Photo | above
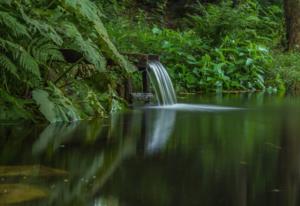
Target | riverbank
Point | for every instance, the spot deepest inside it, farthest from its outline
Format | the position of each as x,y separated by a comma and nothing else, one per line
214,47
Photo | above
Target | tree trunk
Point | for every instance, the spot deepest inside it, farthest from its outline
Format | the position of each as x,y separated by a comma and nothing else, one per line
292,18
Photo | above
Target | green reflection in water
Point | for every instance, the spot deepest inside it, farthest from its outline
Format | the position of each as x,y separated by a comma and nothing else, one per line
161,157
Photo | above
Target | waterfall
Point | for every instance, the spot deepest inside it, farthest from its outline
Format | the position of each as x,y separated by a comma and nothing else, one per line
162,84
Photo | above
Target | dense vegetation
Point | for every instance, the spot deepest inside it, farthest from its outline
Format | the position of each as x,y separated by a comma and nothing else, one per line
218,47
206,46
35,72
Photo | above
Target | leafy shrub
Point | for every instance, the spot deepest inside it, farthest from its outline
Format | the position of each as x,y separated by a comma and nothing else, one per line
286,71
54,105
32,34
249,21
199,61
12,108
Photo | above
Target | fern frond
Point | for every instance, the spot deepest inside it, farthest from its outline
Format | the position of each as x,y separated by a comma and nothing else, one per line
3,44
85,8
14,26
7,64
25,60
8,45
86,46
20,55
44,51
42,27
28,63
6,3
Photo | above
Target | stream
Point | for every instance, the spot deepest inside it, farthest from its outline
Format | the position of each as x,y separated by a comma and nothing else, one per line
227,150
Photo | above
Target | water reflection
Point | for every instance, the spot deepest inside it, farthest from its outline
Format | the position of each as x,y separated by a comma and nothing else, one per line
156,157
159,130
55,135
82,150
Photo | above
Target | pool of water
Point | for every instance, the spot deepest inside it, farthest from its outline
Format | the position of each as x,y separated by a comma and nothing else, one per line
227,150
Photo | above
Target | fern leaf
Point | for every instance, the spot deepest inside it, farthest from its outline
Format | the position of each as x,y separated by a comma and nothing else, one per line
88,10
42,27
26,61
3,44
15,27
43,50
86,46
7,64
85,8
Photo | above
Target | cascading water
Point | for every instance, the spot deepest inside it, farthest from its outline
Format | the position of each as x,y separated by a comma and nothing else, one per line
165,94
162,84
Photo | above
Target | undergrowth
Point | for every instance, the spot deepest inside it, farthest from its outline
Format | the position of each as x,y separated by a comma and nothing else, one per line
34,68
214,48
208,47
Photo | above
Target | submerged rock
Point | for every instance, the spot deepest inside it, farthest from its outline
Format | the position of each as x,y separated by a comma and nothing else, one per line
17,193
30,170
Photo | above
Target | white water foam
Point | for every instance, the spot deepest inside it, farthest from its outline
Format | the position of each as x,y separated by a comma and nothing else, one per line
193,107
165,94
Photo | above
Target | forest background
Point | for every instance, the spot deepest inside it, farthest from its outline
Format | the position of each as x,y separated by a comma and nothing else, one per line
63,60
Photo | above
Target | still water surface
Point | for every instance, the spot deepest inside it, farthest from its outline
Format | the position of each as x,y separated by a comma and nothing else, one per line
160,157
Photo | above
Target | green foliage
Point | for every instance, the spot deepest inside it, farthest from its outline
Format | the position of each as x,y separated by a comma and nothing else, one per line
32,36
17,61
232,65
249,21
44,51
54,105
12,109
87,47
213,48
13,25
287,70
88,13
219,48
8,65
88,99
